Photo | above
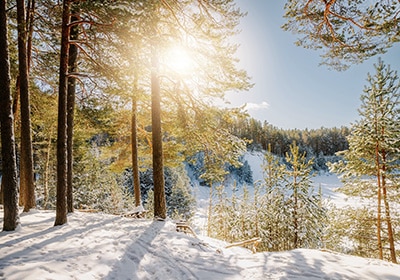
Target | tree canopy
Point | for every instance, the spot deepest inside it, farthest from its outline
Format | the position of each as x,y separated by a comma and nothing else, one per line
346,32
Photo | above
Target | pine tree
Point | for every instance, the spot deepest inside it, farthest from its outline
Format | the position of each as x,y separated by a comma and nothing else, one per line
61,213
27,184
9,167
303,204
71,95
351,231
347,31
373,149
273,214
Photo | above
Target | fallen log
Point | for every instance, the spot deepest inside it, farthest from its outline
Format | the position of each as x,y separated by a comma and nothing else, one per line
254,242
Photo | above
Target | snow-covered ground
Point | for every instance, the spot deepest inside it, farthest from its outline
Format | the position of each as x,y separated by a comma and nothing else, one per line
98,246
326,181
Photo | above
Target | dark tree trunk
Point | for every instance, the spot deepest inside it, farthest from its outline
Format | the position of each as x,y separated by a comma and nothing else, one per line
72,68
134,146
26,161
61,204
29,27
158,166
1,191
9,179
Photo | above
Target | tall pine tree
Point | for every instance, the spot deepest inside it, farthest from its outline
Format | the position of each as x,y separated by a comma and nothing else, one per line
374,150
9,167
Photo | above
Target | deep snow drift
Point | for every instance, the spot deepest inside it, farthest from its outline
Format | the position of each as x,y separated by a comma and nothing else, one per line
98,246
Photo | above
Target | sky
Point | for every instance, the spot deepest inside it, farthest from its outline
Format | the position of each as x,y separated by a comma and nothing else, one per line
291,89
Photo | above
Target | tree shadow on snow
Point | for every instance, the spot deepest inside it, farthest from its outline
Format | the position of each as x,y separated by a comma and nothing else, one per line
162,253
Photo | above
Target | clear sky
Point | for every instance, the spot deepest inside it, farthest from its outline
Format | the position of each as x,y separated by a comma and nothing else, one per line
291,89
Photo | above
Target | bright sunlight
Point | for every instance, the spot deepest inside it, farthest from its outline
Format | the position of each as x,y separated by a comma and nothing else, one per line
178,60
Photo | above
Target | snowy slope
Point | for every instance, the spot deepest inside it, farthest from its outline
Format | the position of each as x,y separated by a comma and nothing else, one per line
326,181
97,246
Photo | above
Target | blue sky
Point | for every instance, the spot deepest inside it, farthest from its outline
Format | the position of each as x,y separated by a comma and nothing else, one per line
291,89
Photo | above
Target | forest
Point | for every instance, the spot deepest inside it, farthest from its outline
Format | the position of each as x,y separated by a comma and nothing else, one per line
111,106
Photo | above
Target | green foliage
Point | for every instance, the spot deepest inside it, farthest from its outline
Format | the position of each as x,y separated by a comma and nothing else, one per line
321,144
115,43
352,231
180,203
370,166
347,32
283,211
208,134
378,127
304,206
96,187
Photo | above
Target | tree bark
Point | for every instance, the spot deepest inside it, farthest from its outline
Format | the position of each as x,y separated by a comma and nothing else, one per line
134,146
72,65
1,191
387,212
158,165
61,204
9,178
27,184
29,27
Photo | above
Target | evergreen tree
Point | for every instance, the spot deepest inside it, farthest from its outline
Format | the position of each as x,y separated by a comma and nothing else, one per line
351,231
304,206
273,213
180,203
71,95
61,213
27,185
348,31
373,149
9,167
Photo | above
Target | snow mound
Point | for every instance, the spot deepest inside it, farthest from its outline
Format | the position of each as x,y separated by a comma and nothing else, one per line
98,246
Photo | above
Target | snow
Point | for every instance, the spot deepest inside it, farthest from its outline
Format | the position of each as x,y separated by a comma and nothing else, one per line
328,182
99,246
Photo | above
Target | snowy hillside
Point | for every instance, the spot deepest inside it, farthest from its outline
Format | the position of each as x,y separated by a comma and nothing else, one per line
328,182
97,246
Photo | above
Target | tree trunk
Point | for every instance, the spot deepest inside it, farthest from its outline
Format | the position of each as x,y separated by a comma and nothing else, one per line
61,204
46,176
26,161
134,146
1,191
158,166
210,204
72,65
379,210
295,211
29,27
387,213
9,178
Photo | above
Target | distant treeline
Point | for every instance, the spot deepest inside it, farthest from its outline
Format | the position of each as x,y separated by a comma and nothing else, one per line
315,142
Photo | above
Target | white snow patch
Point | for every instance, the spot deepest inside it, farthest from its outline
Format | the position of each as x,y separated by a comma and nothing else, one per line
99,246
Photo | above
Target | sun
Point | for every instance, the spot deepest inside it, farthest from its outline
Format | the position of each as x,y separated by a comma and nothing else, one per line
178,60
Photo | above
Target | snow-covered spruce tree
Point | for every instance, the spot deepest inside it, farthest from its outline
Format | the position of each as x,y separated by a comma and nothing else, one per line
303,205
234,225
97,187
272,214
220,217
234,218
373,153
179,199
350,231
180,202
